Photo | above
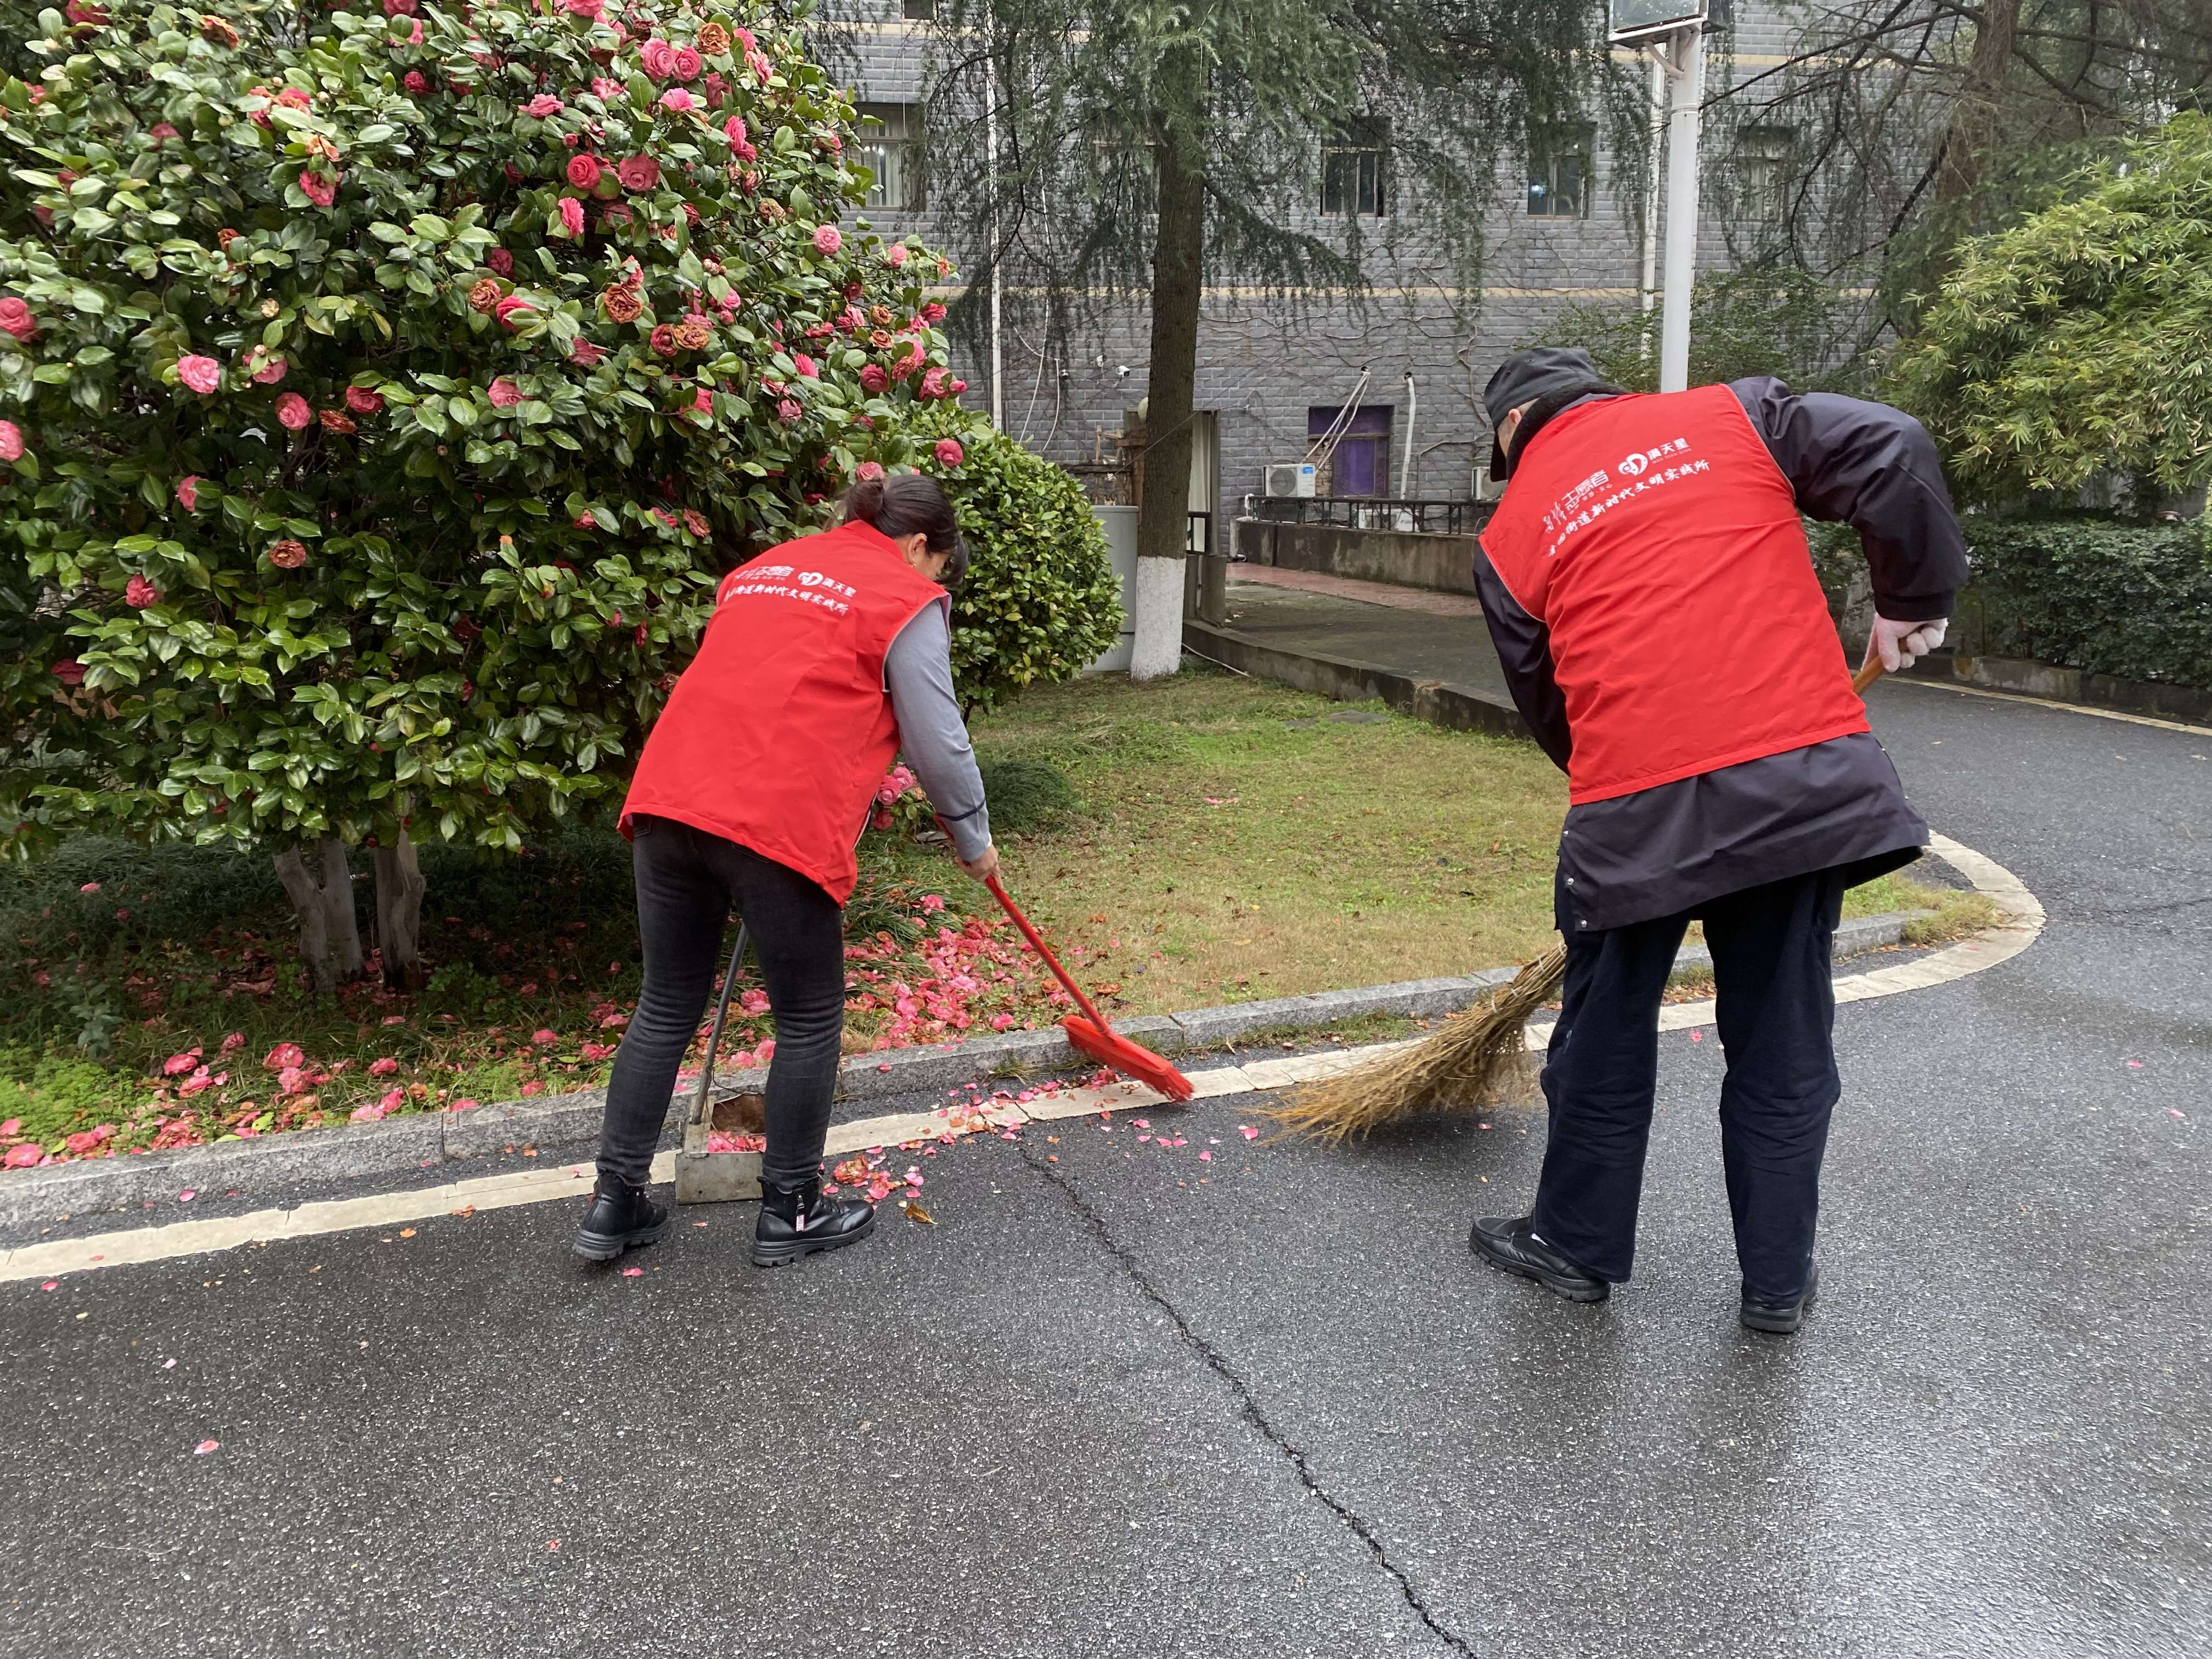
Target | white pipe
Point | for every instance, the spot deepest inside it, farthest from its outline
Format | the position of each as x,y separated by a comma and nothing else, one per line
1648,290
998,253
1687,91
1406,467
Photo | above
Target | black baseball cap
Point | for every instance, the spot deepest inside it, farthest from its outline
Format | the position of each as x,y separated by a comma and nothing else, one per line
1528,375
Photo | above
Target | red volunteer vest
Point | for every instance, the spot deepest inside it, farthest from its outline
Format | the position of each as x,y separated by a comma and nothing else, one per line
1657,541
778,732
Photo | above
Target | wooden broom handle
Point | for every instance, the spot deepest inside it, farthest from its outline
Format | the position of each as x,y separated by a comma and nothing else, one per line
1869,671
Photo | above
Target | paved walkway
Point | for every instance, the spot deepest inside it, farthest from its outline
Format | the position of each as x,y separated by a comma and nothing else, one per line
1120,1400
1413,630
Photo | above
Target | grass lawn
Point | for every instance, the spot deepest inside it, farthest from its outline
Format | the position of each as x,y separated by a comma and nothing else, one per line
1217,840
1240,840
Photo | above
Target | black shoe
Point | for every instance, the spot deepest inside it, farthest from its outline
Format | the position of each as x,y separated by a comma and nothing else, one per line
1779,1318
622,1218
1509,1242
796,1221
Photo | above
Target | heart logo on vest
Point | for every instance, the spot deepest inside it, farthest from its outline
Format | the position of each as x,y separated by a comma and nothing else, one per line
1633,464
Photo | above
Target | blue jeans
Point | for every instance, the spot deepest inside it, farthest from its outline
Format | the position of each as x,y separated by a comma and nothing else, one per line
1777,1015
687,882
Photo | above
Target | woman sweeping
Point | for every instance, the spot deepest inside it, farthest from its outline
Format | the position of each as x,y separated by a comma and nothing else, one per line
825,658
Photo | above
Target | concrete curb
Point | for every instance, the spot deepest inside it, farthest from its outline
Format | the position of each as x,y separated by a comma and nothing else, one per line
2021,677
1440,702
571,1121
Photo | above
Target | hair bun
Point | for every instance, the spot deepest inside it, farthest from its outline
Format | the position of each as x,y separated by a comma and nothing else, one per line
864,501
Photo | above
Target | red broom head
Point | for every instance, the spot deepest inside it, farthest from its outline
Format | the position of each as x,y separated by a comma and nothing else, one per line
1126,1058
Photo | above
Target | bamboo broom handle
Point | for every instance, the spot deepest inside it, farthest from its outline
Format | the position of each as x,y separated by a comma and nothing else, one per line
1869,671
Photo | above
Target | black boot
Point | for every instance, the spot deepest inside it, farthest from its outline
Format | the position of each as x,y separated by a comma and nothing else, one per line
1779,1318
1511,1242
796,1221
622,1218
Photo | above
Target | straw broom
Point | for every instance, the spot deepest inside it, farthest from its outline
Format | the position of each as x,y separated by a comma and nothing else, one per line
1462,1065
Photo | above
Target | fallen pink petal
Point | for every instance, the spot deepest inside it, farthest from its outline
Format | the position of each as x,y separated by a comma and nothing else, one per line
205,1447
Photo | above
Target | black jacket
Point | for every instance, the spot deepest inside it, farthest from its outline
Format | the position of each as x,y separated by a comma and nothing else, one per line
1665,851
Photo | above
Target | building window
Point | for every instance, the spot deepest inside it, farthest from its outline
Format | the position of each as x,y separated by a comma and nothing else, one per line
1558,173
918,11
1762,171
892,151
1352,171
1352,448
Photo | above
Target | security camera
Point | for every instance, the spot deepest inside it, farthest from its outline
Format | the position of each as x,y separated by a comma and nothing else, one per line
1098,361
1122,370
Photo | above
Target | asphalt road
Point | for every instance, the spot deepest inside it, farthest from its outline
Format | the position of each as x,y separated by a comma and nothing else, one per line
1120,1400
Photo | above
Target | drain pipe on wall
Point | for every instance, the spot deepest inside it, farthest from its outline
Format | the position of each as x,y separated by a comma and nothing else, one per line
1406,467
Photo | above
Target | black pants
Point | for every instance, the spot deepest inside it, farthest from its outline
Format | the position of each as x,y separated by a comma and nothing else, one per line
687,881
1770,948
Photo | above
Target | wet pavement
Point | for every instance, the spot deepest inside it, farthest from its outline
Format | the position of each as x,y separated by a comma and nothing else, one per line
1119,1399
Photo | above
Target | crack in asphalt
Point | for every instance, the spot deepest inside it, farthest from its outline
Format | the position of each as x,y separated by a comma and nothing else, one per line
1250,1407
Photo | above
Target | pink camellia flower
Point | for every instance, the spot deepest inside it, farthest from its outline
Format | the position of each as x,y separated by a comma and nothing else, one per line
717,89
271,372
545,1038
138,593
572,215
321,190
949,452
500,261
932,383
504,393
398,8
657,58
678,101
762,70
827,239
11,442
590,8
198,1080
543,107
416,82
188,493
383,1067
23,1156
293,411
894,255
363,401
178,1065
704,403
414,38
957,386
16,317
292,1079
160,132
604,89
734,130
290,554
514,311
639,173
873,380
789,410
283,1054
868,471
202,375
804,365
933,312
69,672
233,1041
686,64
585,355
584,171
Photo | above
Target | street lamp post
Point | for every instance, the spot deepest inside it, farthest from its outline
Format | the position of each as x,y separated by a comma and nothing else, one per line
1672,32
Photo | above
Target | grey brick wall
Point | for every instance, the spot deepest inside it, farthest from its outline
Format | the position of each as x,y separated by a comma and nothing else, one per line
1262,366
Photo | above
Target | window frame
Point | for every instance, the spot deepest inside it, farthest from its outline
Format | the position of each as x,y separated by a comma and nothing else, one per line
1762,204
894,153
1363,143
1548,146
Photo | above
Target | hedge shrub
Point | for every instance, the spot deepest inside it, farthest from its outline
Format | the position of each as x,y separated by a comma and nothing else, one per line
2107,596
1041,599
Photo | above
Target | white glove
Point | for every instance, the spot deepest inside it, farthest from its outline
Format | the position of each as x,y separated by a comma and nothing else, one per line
1900,644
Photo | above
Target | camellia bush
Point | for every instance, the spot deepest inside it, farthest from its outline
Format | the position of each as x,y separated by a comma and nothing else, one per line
2073,346
381,394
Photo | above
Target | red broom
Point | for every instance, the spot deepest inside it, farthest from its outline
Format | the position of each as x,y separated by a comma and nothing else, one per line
1093,1036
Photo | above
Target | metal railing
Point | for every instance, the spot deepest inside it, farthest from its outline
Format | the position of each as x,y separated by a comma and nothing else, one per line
1430,518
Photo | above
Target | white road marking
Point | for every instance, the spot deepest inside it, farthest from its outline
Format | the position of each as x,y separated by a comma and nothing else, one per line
2023,920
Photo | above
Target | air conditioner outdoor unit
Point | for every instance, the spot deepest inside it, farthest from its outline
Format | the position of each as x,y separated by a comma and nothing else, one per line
1487,488
1291,479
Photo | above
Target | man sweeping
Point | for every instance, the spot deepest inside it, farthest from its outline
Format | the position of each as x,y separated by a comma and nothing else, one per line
1648,586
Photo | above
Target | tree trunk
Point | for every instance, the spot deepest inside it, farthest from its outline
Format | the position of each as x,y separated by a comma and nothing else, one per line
1972,127
329,938
400,888
1163,524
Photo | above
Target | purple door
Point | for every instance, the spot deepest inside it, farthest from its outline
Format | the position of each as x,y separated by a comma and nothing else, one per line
1361,464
